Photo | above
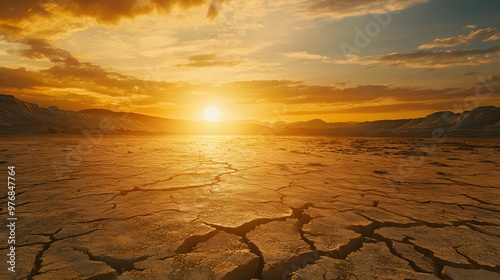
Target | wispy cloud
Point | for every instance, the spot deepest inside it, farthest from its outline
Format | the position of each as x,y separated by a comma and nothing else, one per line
208,60
214,8
306,55
301,98
484,35
428,57
296,92
439,59
19,79
338,9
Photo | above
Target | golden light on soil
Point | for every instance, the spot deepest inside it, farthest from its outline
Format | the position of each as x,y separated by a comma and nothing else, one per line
211,114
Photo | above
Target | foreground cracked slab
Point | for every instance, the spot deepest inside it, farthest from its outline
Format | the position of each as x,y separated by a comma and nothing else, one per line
373,261
458,245
280,250
186,207
465,274
334,232
61,261
223,256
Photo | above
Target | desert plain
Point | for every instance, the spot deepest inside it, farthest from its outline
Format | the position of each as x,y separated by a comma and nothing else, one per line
249,207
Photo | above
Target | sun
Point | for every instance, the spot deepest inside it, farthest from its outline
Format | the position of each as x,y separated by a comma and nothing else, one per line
212,114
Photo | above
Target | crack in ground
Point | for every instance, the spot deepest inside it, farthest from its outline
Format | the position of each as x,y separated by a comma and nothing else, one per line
87,196
385,195
393,251
50,182
37,265
300,261
128,218
217,179
368,232
256,251
191,242
302,218
170,178
430,224
137,189
479,200
473,222
474,263
345,250
119,265
242,231
55,239
290,184
469,184
472,227
440,263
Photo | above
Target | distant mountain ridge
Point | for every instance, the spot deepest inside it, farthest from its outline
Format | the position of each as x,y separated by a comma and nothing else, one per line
20,117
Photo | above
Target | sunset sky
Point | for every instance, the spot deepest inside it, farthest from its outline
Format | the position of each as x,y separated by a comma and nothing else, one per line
282,60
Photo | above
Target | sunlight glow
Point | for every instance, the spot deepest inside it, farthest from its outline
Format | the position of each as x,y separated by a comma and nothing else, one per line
211,114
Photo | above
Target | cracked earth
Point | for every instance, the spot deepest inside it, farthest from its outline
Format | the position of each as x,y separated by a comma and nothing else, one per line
253,208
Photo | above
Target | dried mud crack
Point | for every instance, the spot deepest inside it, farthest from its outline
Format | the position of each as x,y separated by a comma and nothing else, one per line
234,208
38,258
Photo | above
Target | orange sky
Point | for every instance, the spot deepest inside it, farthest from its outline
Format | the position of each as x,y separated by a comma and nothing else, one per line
266,60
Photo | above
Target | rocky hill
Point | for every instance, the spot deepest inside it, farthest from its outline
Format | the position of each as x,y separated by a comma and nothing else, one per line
20,117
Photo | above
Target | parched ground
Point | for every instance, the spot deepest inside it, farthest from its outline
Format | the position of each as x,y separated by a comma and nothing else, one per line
144,207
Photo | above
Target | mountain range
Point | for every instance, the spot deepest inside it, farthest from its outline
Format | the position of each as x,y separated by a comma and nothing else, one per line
21,117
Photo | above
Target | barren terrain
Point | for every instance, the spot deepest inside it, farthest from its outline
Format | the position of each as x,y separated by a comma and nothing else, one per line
222,207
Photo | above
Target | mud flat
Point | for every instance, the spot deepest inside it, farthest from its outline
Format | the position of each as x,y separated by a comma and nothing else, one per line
124,207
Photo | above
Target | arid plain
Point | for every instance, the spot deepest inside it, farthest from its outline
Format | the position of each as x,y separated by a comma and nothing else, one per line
224,207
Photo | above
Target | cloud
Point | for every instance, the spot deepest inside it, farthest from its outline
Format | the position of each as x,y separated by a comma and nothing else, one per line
378,109
296,92
66,65
101,89
208,60
471,74
427,59
338,9
41,49
67,71
69,75
439,59
311,100
485,34
12,10
306,55
203,57
107,83
493,38
214,8
19,79
109,12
